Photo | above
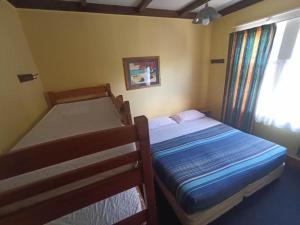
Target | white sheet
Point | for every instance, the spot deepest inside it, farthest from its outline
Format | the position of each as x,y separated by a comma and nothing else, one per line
106,212
175,130
67,120
70,119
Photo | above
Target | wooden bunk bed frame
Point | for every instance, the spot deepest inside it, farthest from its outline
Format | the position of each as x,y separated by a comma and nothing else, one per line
88,93
58,151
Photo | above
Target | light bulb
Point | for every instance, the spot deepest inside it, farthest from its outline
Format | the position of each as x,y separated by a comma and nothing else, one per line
205,21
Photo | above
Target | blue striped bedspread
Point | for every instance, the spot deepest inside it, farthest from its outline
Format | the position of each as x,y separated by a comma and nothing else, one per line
204,168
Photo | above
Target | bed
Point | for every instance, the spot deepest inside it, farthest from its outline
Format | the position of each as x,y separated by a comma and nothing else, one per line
83,159
204,167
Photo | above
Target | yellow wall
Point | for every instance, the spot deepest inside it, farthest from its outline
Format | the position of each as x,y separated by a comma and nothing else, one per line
80,49
20,104
217,72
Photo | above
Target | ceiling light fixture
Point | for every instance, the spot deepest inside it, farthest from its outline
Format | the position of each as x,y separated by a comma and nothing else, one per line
206,15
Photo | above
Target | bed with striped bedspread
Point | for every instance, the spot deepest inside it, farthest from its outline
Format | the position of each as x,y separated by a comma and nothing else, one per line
204,168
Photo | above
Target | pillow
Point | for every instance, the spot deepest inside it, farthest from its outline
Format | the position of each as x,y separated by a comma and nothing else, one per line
160,122
187,116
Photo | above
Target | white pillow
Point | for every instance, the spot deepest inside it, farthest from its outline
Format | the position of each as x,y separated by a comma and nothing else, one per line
187,116
160,122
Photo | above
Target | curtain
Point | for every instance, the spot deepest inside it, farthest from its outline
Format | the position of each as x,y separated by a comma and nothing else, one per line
248,55
279,98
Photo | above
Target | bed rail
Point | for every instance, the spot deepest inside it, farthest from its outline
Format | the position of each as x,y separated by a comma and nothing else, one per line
61,203
79,94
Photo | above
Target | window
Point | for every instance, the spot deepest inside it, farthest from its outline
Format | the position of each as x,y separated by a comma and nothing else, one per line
279,98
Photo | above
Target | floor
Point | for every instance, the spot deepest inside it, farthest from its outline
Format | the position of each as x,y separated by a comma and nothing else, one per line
276,204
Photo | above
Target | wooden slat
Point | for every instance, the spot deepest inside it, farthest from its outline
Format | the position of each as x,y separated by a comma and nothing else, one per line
136,219
50,153
96,8
48,210
123,109
143,5
238,6
99,91
53,182
193,5
76,94
141,124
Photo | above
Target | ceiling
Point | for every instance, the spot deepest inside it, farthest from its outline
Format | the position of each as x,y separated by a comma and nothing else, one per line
185,9
163,4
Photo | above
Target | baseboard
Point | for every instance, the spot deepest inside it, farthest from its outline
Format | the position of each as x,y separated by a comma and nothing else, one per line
293,162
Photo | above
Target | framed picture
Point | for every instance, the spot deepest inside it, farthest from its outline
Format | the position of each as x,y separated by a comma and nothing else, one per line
141,72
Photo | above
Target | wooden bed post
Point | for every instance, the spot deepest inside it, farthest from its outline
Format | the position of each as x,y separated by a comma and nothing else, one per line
119,98
108,90
141,124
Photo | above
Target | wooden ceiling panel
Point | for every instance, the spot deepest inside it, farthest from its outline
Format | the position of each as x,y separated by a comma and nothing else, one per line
131,3
217,4
169,4
193,5
238,6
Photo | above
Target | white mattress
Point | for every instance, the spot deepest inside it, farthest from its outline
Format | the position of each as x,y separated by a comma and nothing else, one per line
67,120
70,119
175,130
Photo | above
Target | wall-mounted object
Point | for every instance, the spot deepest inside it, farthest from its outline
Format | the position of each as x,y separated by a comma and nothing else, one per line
141,72
27,77
217,61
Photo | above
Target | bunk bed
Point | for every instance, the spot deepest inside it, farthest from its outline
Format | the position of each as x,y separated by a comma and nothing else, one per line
56,171
204,167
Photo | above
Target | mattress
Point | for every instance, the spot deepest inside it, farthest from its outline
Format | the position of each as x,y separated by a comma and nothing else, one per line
204,217
205,167
70,119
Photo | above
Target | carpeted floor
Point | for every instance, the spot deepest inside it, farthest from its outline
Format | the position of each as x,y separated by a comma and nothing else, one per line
276,204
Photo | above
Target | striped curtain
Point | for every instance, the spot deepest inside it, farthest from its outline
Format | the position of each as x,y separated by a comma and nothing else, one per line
248,55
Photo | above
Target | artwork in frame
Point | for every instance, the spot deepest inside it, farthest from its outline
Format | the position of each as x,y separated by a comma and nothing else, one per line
141,72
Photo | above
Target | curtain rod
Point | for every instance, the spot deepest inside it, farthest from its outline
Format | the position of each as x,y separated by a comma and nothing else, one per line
288,15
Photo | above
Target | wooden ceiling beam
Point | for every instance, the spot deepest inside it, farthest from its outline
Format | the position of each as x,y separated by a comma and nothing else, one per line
96,8
193,5
238,6
83,3
143,5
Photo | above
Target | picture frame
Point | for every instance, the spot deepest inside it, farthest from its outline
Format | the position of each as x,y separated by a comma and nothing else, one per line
141,72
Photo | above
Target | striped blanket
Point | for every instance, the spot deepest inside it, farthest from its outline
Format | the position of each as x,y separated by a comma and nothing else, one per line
204,168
